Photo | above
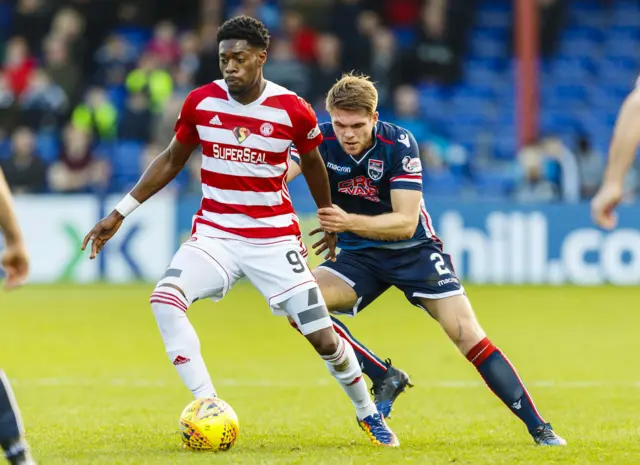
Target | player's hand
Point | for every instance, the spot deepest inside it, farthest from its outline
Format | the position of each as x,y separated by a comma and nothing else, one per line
328,242
334,219
604,204
102,232
15,262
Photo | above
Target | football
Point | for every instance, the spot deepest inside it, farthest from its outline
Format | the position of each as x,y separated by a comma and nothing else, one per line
209,424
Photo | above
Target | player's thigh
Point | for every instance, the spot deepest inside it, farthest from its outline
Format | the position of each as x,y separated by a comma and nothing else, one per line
457,319
280,272
349,284
336,292
201,268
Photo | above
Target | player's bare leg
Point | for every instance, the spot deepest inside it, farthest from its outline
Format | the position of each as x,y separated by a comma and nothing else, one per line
388,382
309,312
458,320
11,429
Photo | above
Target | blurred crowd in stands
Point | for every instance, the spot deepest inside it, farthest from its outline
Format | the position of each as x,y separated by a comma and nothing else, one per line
90,89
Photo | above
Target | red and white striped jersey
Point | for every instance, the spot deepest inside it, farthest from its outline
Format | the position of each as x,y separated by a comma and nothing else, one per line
245,158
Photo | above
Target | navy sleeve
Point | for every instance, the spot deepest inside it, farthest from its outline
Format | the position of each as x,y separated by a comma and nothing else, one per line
407,168
294,155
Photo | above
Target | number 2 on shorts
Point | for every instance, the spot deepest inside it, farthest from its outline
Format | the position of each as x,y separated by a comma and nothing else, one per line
440,266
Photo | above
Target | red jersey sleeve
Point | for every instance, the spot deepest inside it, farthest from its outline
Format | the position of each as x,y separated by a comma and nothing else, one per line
307,133
185,127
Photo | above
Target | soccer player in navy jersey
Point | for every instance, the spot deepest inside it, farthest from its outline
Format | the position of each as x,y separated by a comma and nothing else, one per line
387,239
15,263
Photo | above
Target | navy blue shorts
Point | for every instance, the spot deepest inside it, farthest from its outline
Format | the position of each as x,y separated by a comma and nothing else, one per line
421,271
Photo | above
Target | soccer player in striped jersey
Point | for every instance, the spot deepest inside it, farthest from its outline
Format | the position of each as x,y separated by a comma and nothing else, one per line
623,149
15,263
246,225
387,239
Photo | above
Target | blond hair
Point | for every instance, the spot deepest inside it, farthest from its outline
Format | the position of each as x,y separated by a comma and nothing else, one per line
353,92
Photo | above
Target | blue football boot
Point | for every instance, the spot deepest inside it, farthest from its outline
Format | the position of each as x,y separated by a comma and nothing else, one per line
377,431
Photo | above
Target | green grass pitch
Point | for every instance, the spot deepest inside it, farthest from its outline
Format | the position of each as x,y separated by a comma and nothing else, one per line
95,385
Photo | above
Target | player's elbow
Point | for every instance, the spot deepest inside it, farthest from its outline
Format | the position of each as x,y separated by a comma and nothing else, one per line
408,229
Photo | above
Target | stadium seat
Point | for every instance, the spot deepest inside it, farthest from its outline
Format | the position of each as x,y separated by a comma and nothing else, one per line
47,146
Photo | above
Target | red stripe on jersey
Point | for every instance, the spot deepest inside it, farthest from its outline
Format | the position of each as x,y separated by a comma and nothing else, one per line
406,176
254,211
241,183
330,138
255,233
386,141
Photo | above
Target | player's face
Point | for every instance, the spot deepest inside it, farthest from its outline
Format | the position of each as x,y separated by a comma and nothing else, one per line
354,129
240,64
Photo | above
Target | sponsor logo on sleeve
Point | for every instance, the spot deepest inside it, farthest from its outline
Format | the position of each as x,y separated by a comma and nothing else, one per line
411,165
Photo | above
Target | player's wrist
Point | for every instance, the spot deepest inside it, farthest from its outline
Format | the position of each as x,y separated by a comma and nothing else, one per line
126,206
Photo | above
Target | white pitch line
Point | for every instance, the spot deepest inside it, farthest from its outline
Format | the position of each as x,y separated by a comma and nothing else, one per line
266,383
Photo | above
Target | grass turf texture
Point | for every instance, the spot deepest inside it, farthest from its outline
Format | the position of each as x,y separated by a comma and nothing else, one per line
95,385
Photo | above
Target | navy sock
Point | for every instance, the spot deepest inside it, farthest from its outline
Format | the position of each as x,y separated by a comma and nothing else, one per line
372,365
10,430
502,379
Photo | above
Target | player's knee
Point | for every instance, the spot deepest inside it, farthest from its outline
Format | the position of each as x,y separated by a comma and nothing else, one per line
324,341
168,296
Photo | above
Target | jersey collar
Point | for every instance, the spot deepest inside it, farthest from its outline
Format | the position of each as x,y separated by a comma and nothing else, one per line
375,142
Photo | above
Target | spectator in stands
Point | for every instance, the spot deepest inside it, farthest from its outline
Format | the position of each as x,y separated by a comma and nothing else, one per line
64,71
385,65
532,185
355,44
31,18
407,112
433,57
164,45
68,25
285,69
209,69
77,169
135,123
148,77
25,172
591,166
302,37
18,64
113,60
569,176
189,55
96,115
398,13
43,103
327,69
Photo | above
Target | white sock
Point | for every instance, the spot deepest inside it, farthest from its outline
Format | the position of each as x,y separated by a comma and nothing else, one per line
344,367
181,341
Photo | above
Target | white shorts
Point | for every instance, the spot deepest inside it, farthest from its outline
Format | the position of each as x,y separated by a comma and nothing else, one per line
277,268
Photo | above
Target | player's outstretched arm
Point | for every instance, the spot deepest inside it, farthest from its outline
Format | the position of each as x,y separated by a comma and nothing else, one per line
624,143
14,260
160,172
398,225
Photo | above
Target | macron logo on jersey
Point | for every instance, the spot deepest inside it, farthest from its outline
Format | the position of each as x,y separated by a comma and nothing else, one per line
339,169
404,139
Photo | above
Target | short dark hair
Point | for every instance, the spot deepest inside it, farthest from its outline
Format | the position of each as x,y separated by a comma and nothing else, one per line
245,28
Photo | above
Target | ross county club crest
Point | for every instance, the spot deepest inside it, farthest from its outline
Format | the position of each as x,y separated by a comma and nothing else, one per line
376,169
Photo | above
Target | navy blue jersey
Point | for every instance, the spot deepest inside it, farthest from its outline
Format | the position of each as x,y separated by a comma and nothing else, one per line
362,185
